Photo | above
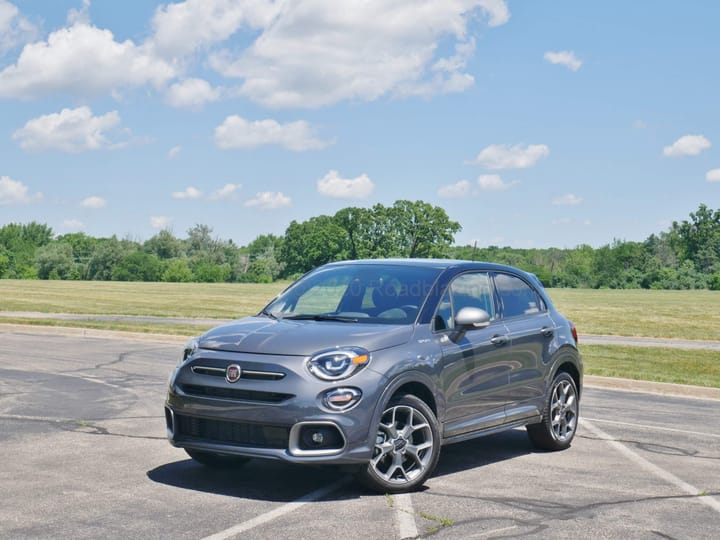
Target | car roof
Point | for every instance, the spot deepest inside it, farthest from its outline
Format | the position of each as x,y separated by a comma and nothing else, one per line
443,264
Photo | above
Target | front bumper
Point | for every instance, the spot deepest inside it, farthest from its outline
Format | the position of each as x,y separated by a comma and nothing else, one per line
278,416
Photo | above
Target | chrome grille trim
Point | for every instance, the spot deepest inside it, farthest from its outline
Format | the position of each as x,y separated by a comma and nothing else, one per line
246,373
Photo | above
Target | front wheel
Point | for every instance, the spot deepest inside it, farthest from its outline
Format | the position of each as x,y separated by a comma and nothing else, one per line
217,461
560,417
407,447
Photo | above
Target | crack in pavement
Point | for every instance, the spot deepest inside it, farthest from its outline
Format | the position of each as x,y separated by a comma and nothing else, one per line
558,511
654,448
87,427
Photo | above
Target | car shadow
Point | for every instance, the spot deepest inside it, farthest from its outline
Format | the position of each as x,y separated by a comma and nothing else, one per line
483,451
276,481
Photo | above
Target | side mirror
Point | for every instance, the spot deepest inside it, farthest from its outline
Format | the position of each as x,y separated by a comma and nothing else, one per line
472,317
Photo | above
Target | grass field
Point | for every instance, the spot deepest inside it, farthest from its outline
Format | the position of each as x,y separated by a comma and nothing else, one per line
673,314
202,300
699,368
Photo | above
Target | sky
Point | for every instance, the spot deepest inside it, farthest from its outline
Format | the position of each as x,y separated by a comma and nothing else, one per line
533,123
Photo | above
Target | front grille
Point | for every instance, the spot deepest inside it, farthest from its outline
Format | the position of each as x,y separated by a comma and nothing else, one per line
245,374
235,433
234,393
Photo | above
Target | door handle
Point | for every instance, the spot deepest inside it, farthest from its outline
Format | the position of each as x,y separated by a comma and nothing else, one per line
499,340
547,331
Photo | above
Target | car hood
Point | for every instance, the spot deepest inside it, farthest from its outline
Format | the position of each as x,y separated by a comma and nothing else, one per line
260,335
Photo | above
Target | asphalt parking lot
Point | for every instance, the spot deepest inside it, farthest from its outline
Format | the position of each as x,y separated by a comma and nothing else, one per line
84,455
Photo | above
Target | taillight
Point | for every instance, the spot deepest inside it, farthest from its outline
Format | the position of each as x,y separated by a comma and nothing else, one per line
574,333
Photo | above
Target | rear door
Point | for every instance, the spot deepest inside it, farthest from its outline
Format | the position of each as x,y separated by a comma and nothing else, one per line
531,331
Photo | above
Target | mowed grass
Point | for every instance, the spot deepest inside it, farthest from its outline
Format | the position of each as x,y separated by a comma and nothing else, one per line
195,300
699,368
671,314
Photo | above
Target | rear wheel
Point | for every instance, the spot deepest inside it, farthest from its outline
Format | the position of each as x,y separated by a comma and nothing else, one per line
407,447
217,461
560,417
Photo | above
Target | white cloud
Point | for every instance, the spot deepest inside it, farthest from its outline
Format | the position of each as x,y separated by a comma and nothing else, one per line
319,52
14,28
268,200
236,132
73,224
331,185
687,145
82,60
503,156
191,93
458,190
160,222
182,27
93,202
189,193
567,200
561,221
15,192
227,192
174,152
564,58
70,130
493,182
81,15
713,175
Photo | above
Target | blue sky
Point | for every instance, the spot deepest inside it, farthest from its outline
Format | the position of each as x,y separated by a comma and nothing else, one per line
533,123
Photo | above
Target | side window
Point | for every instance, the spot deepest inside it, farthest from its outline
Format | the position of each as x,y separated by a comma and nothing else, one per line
466,290
517,297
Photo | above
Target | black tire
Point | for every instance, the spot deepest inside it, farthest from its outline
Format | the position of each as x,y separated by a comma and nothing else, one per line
407,447
560,416
217,461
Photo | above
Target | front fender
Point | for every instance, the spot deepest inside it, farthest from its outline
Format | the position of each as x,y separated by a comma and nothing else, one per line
416,377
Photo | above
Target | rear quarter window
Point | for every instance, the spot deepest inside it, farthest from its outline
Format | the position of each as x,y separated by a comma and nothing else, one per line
517,297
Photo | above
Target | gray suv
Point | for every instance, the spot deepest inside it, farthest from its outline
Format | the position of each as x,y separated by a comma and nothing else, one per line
377,364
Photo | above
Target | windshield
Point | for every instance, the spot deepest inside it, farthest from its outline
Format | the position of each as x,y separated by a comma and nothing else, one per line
366,293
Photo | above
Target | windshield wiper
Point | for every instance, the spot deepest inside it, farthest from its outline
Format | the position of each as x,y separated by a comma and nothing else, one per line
269,314
320,317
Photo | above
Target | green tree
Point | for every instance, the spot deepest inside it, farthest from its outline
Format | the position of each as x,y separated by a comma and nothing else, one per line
207,272
19,243
177,271
55,260
106,256
418,229
164,245
137,266
311,243
698,239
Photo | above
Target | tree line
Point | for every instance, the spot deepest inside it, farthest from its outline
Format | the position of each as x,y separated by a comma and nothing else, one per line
686,256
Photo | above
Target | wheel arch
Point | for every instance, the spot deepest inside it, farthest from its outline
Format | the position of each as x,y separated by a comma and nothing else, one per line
569,367
416,383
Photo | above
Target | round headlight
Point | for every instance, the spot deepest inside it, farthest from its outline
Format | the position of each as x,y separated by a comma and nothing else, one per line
337,364
190,348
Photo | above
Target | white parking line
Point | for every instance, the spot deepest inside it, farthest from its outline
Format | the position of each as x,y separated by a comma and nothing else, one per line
277,512
658,428
405,516
652,468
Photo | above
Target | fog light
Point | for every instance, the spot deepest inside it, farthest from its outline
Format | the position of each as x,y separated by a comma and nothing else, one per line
317,437
341,399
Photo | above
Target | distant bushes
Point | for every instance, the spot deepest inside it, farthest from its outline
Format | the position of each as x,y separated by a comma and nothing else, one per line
687,256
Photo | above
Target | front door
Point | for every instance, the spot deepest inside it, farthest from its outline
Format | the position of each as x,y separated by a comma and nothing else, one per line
476,362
